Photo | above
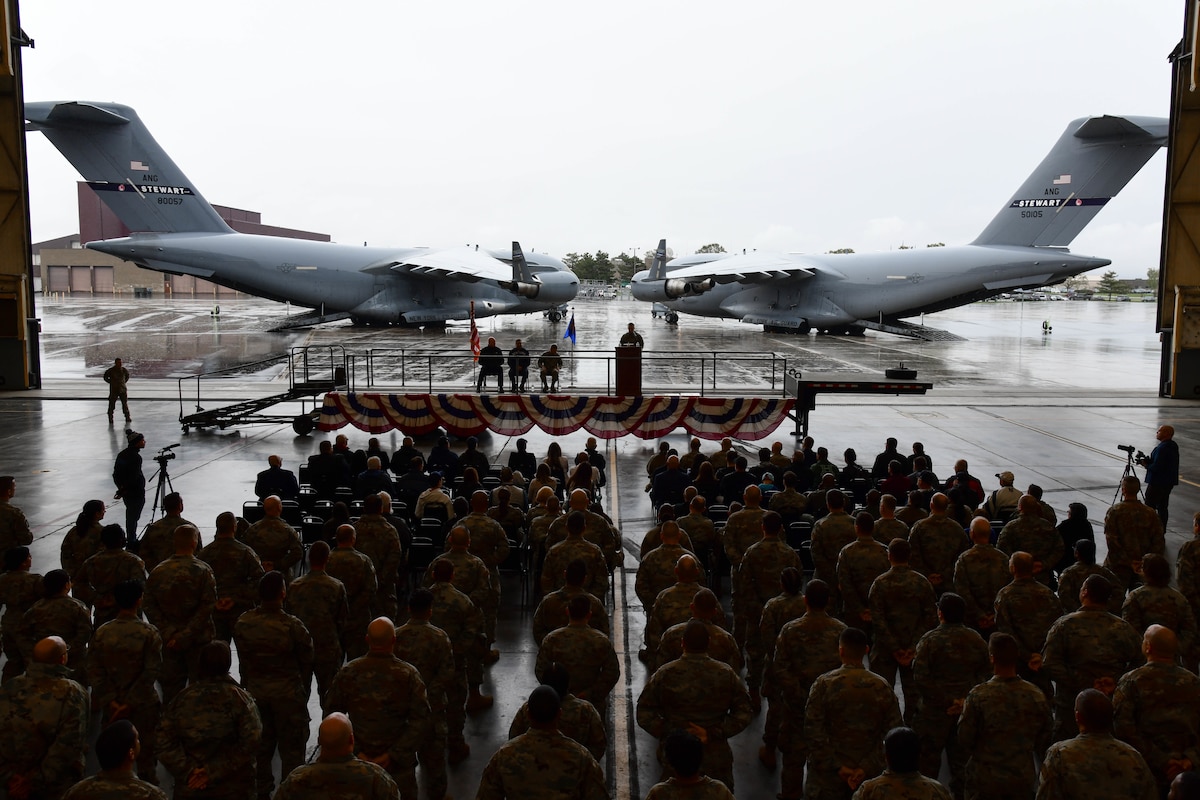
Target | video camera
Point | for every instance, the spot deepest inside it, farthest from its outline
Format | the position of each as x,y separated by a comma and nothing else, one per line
165,454
1128,448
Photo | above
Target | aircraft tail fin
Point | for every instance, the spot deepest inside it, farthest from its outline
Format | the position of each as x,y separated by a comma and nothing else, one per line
1093,160
658,270
114,152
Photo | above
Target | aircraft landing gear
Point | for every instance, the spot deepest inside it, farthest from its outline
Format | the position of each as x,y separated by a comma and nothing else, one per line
672,318
554,316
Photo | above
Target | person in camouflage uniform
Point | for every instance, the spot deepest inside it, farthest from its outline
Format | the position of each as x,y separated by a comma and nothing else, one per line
1004,722
1094,764
471,576
701,530
902,749
1025,610
1156,709
117,747
848,712
701,695
1029,532
578,720
386,701
761,567
684,753
209,735
653,537
277,544
319,601
587,654
742,530
236,569
19,590
673,605
158,542
462,621
181,594
575,546
656,571
100,574
124,663
551,612
806,648
82,541
903,609
887,527
428,648
14,528
337,772
781,609
1087,649
1187,567
542,763
596,529
979,575
58,614
937,541
357,575
43,726
275,653
721,645
376,538
1156,603
1131,529
830,534
951,660
1070,581
858,565
789,503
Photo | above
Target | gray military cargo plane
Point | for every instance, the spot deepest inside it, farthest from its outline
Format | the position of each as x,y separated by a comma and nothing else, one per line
1024,246
176,231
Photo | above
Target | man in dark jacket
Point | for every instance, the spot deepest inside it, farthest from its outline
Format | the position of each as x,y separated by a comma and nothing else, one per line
131,483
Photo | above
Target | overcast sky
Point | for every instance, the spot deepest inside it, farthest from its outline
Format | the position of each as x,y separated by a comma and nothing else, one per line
577,127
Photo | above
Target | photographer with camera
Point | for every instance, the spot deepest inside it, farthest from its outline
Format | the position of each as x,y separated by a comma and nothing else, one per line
1162,471
131,483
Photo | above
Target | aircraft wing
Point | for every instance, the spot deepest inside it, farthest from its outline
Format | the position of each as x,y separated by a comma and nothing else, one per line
461,263
746,268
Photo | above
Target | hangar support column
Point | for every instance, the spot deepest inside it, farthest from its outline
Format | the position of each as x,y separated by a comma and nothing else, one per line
1179,273
19,352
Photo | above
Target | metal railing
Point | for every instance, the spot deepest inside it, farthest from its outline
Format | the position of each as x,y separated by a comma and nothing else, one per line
327,365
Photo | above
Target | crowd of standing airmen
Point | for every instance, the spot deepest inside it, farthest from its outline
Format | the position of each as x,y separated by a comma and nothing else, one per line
1012,646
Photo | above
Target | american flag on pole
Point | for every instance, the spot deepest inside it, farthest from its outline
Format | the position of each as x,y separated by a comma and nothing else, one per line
474,335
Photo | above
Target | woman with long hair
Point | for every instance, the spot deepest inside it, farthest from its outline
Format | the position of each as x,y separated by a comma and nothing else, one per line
83,540
557,463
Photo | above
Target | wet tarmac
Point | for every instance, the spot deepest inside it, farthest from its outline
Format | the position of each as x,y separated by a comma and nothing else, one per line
1051,408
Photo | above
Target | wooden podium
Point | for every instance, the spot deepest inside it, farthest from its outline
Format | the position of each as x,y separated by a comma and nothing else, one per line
629,372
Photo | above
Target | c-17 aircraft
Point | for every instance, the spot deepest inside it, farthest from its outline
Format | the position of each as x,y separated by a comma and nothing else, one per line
176,231
1024,246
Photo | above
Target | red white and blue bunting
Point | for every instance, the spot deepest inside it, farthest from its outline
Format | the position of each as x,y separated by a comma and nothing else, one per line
747,418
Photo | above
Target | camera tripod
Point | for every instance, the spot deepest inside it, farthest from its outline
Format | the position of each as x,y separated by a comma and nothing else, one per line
162,488
1129,472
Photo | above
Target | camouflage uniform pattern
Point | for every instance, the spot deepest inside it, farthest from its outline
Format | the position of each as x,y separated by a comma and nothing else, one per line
889,528
596,530
699,690
721,646
43,730
338,777
124,662
578,720
59,616
951,660
357,575
551,613
563,553
462,622
653,540
979,575
672,606
657,572
542,765
275,654
590,660
1131,529
114,785
779,611
700,529
1187,572
158,542
76,549
707,789
1154,605
1108,769
386,701
760,570
1032,534
1025,609
319,601
471,577
937,541
903,609
787,503
1004,722
428,648
237,570
212,725
18,592
100,574
1081,649
14,528
849,711
379,541
901,786
830,534
277,544
858,565
1071,579
1156,709
181,594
